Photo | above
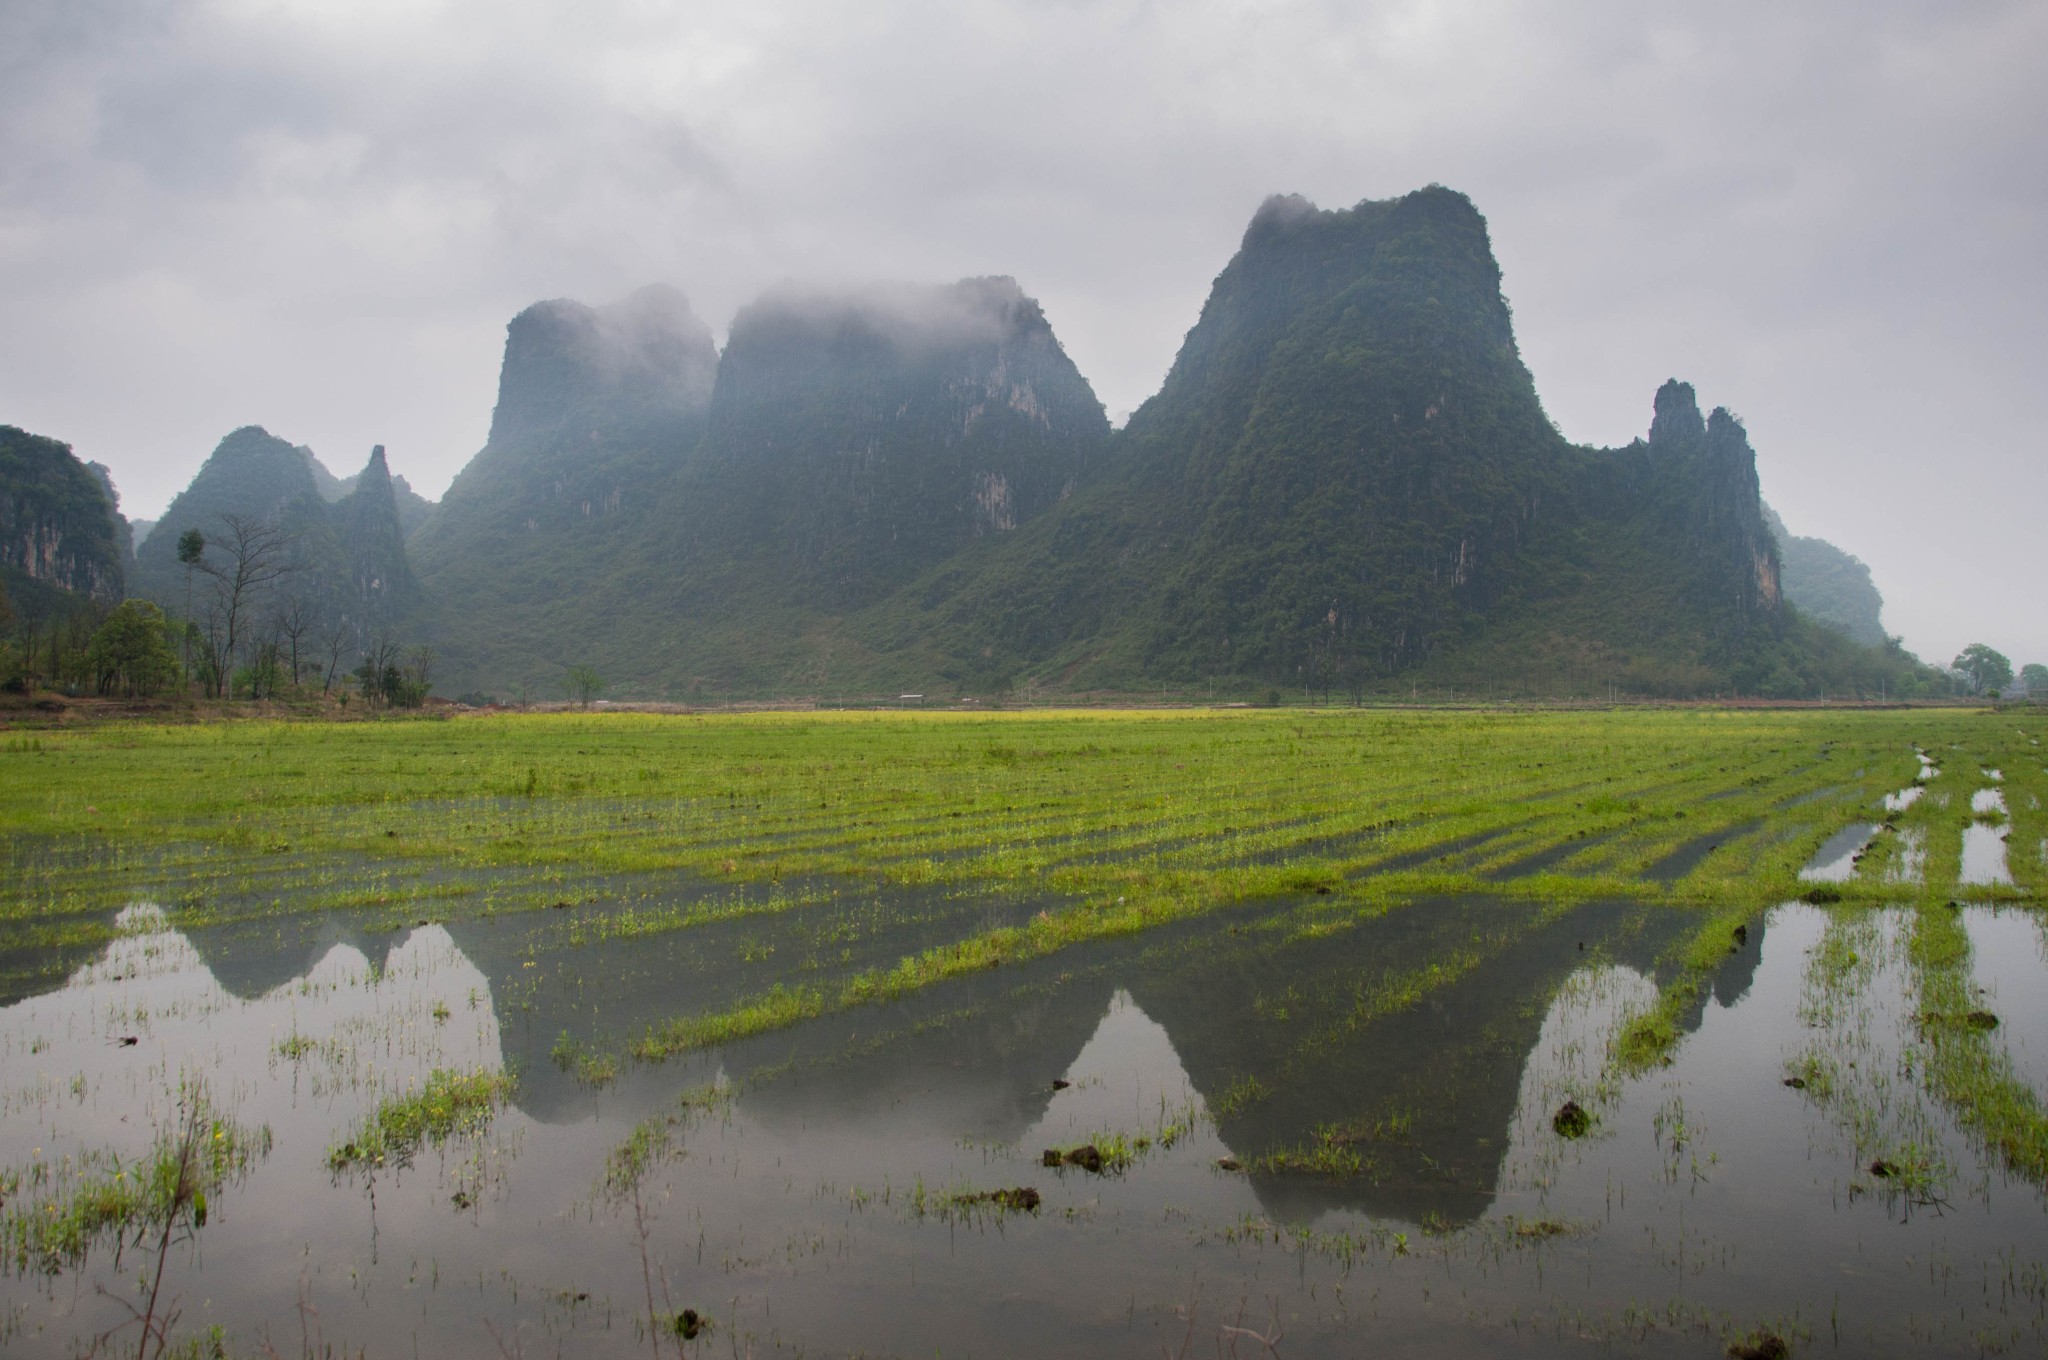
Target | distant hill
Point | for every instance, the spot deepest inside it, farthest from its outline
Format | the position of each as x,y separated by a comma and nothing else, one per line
348,557
1829,586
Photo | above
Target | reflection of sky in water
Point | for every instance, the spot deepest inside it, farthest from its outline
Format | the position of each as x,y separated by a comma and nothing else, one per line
1835,861
792,1211
1984,855
2010,947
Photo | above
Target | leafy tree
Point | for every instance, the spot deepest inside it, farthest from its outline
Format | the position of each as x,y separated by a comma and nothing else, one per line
1983,668
2034,678
129,651
583,683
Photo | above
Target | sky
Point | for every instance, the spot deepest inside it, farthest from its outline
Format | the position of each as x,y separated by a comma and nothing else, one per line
318,215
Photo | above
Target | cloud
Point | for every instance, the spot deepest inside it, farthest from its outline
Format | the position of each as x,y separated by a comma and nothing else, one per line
321,216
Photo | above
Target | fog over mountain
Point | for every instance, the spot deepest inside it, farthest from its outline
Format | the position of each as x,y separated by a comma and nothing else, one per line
317,219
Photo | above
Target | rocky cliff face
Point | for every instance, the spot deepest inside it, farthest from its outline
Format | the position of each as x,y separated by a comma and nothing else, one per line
1704,478
572,371
596,407
859,437
59,522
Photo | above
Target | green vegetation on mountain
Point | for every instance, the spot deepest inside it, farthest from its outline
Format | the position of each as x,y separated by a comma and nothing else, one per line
858,439
59,526
1347,480
549,546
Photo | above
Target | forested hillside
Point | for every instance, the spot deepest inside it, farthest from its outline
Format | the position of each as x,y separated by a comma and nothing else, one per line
553,545
59,523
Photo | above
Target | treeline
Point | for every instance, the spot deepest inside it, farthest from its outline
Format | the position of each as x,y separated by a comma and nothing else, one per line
255,622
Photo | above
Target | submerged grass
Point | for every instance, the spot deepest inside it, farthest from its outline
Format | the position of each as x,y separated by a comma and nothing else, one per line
54,1214
1964,1065
448,1105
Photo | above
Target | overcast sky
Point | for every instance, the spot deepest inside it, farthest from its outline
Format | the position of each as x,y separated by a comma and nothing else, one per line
317,215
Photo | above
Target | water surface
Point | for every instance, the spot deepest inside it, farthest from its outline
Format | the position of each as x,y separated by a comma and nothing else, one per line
1347,1127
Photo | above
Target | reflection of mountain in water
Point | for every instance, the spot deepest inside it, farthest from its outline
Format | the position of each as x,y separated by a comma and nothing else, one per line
253,959
1425,1092
1402,1037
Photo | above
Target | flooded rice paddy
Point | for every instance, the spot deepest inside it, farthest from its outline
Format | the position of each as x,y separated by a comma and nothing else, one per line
1549,1050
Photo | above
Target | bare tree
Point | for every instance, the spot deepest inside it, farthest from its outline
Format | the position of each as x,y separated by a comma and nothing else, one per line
252,559
379,672
334,640
295,619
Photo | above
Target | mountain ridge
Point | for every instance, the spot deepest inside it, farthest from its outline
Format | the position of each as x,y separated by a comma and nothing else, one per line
1346,480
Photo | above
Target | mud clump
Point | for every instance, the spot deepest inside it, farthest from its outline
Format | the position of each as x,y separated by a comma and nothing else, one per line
1977,1020
1883,1169
1229,1164
689,1323
1769,1346
1571,1120
1087,1156
1821,897
1796,1083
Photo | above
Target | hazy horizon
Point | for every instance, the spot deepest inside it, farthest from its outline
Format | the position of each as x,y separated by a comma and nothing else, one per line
320,218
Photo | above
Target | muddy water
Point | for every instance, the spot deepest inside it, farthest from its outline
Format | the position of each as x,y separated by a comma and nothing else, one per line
1415,1059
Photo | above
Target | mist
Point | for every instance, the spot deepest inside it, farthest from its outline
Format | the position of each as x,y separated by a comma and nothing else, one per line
321,218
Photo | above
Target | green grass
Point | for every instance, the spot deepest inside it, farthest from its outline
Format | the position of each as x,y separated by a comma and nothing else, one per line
448,1105
1112,824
